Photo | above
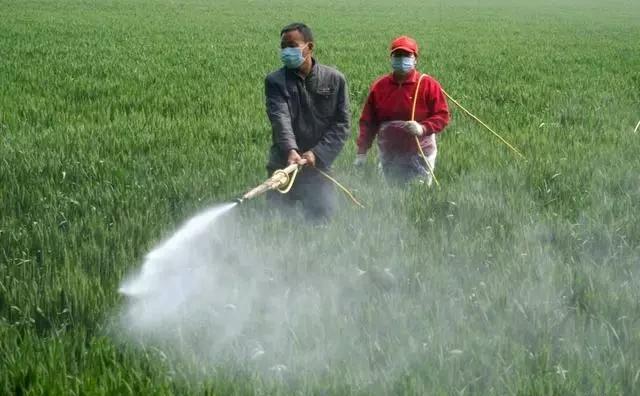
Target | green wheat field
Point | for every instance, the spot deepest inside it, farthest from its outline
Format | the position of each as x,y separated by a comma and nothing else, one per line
119,120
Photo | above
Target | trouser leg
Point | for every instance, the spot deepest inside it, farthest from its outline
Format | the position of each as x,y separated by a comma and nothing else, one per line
405,169
315,193
428,178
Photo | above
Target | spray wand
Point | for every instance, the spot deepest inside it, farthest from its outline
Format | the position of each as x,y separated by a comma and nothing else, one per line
282,181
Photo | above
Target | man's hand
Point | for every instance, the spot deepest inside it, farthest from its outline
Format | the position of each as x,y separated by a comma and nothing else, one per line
310,157
360,160
294,157
414,128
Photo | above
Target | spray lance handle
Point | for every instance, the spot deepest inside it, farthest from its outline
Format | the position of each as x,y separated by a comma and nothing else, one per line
289,169
282,179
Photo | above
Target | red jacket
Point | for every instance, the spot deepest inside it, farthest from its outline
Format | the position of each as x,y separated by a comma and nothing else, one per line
390,101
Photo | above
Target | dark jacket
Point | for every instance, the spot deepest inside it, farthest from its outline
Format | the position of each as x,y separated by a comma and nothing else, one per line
309,113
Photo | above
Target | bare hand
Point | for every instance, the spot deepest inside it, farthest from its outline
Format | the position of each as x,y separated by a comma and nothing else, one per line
294,157
310,157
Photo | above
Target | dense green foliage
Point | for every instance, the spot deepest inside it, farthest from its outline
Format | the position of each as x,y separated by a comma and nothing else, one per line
121,119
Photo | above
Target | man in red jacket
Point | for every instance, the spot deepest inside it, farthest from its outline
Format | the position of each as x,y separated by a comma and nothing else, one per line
387,115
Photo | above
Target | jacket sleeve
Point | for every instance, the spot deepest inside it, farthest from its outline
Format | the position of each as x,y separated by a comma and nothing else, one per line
368,124
331,143
436,108
279,115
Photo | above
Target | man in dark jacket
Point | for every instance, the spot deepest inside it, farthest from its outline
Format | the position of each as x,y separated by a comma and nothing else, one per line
308,106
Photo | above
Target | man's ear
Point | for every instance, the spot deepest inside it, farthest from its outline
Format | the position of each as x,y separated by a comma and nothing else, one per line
310,45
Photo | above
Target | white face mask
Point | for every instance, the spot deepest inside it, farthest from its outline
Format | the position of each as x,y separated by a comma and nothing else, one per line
403,64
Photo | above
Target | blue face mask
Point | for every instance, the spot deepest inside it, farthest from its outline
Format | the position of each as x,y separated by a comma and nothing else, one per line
292,57
403,64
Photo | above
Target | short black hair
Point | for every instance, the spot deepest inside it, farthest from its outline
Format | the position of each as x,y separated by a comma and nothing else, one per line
302,28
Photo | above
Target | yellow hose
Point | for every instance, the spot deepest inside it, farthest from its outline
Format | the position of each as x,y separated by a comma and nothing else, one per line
413,118
413,111
292,178
343,188
515,150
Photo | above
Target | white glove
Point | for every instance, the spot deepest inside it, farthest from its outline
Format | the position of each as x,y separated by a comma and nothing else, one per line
414,128
360,160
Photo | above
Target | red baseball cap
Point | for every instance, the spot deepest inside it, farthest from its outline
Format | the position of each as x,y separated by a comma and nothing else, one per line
405,43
